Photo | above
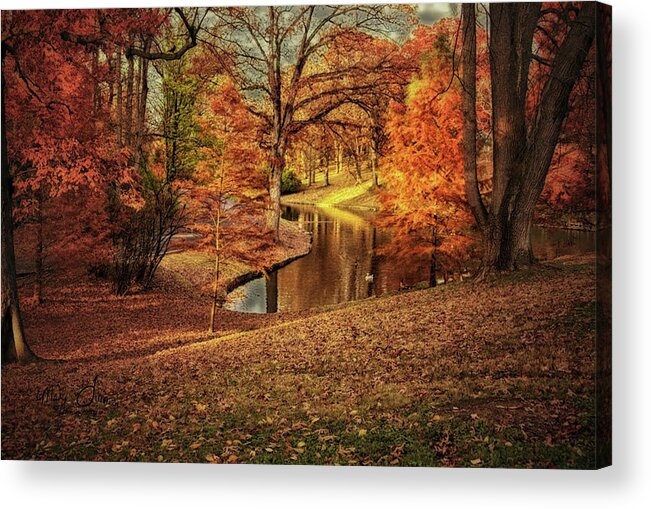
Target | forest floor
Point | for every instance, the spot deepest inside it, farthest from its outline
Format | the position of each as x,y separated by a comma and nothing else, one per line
342,191
492,374
81,319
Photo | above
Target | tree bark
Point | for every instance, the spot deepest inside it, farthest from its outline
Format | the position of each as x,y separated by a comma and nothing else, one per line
358,161
469,77
97,96
339,156
14,345
118,77
218,220
142,102
522,149
277,166
129,102
38,283
111,94
275,175
136,104
545,131
432,260
326,175
432,270
215,292
374,164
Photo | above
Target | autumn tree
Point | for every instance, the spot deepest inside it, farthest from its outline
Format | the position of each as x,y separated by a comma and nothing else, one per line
524,138
129,40
14,346
66,148
74,125
165,38
227,192
568,194
274,56
423,200
365,113
176,127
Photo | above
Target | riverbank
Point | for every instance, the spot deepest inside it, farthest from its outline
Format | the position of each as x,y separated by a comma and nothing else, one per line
342,191
497,374
81,319
195,268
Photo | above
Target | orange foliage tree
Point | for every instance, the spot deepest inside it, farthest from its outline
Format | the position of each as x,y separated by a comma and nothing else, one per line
227,193
56,143
424,197
73,125
275,56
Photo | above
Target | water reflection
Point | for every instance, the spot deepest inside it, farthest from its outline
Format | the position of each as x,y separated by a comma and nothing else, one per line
550,243
343,265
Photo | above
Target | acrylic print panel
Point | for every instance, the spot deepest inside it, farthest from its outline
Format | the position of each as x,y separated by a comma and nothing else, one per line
349,235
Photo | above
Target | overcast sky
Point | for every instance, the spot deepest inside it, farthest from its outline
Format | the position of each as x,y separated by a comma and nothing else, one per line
430,13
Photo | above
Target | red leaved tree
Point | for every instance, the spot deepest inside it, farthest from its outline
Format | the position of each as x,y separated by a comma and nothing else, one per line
227,193
424,198
56,144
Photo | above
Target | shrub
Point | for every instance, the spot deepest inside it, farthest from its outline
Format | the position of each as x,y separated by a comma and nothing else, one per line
142,242
289,182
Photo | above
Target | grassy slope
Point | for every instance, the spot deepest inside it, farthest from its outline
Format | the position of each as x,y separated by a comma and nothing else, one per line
342,192
195,268
493,375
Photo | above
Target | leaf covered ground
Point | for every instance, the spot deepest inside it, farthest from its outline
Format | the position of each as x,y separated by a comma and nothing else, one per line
496,374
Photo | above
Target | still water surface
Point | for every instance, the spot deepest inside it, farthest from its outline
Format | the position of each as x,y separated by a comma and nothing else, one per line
343,259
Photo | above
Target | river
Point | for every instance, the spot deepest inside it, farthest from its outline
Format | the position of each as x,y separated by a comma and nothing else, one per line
343,264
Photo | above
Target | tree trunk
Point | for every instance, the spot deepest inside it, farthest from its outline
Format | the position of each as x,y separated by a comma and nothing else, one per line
218,219
129,106
274,195
432,270
529,179
326,174
14,346
215,293
469,77
118,77
339,156
275,176
374,164
135,133
38,282
111,94
522,151
432,261
358,161
97,91
142,103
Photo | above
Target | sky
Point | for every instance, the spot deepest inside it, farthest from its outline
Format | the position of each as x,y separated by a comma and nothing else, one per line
430,13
